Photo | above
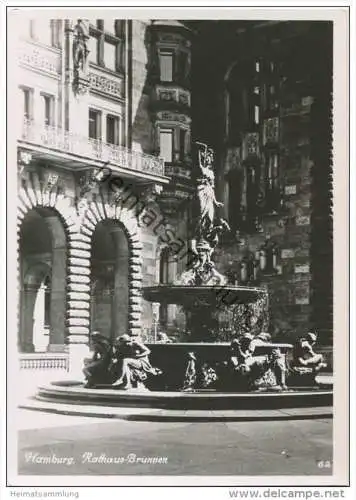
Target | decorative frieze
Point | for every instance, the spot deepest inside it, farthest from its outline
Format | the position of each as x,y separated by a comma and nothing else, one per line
173,95
302,220
271,130
251,146
290,190
302,301
34,57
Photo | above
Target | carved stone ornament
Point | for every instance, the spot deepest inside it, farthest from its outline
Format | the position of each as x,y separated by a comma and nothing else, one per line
271,130
51,180
105,85
24,158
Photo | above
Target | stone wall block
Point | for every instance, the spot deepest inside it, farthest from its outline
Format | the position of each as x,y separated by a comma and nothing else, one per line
78,287
77,261
83,271
78,304
78,321
78,296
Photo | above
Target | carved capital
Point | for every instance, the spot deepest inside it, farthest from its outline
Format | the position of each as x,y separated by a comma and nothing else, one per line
24,158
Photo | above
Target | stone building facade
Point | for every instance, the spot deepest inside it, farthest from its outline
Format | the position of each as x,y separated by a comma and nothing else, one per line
108,110
267,111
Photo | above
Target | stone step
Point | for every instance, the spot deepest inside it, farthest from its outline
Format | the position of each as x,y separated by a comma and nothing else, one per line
155,414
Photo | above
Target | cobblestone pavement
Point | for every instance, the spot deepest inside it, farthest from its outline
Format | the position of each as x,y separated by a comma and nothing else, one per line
99,446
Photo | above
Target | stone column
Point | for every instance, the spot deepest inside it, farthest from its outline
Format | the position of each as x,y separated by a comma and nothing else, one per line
28,298
172,274
78,304
58,286
135,300
121,294
76,107
58,301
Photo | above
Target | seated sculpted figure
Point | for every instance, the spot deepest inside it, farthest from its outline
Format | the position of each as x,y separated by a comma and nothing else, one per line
133,365
305,359
97,368
163,338
254,365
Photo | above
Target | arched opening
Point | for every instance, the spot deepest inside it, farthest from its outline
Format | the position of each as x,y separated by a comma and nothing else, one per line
42,282
163,280
242,101
110,279
243,138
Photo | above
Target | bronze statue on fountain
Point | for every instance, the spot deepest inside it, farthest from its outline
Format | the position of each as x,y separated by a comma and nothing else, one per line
251,362
207,226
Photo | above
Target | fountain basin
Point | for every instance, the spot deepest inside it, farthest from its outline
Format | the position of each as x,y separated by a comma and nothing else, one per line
73,393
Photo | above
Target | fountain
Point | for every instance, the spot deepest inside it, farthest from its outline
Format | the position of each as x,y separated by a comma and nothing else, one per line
204,372
201,290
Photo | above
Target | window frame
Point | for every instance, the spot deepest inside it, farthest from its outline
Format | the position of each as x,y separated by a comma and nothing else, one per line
54,28
182,143
29,92
50,99
166,52
98,124
104,37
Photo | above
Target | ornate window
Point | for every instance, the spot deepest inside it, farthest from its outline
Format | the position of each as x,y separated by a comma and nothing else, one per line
94,124
234,201
166,61
166,144
45,31
268,255
182,141
106,44
164,279
27,103
253,124
113,129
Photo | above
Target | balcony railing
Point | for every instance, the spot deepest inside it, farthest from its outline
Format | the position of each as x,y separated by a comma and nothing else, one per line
44,361
60,140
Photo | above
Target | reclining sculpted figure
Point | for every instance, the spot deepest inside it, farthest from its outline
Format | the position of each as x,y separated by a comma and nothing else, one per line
132,363
306,362
97,368
259,369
